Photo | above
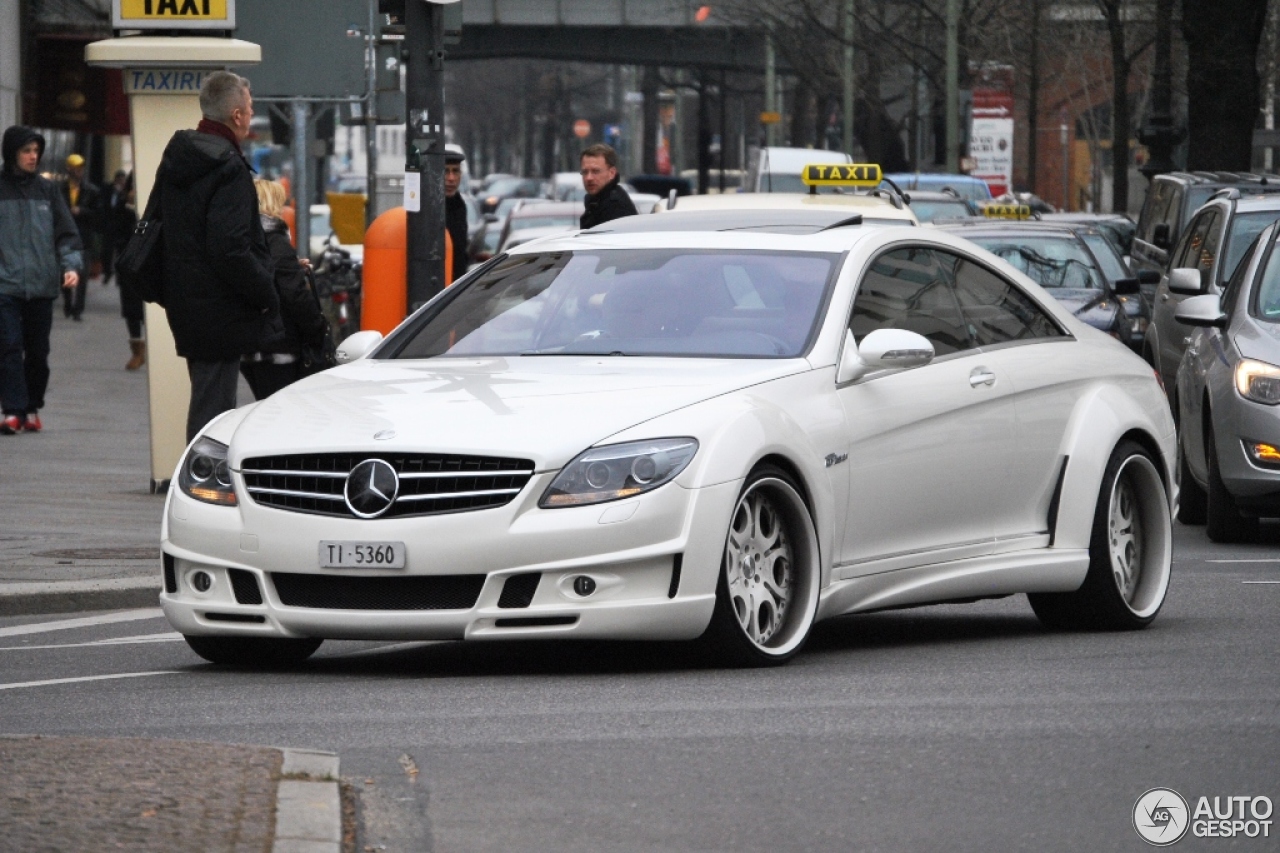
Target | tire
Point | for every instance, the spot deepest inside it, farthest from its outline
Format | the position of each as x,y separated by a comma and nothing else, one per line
767,591
1223,520
1191,497
253,652
1130,552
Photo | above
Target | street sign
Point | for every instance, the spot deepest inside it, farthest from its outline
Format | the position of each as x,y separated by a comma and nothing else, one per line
173,14
770,117
582,128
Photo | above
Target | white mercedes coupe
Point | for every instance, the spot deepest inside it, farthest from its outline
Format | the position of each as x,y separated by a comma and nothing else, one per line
713,432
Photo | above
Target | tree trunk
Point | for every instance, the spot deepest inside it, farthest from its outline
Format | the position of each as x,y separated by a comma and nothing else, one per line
1119,109
1222,83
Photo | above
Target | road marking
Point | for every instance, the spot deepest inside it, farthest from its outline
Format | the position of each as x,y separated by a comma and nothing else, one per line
53,681
115,641
1259,582
83,622
1244,561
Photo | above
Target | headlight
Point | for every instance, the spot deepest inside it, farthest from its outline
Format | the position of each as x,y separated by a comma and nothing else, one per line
1258,381
618,471
205,475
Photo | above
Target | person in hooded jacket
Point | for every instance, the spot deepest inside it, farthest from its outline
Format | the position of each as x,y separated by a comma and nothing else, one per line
278,359
218,290
40,253
606,200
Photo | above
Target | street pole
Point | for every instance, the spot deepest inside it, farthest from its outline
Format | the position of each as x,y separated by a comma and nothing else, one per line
301,184
371,118
770,89
424,136
953,86
847,127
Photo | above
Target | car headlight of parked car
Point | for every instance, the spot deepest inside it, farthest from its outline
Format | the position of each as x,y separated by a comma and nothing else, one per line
205,475
618,471
1258,381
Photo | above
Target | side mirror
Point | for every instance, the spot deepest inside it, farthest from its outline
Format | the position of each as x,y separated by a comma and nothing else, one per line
1160,235
883,349
1126,287
1148,277
1202,311
358,346
1185,281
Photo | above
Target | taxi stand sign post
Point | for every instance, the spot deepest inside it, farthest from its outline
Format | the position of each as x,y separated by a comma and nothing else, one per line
162,78
866,175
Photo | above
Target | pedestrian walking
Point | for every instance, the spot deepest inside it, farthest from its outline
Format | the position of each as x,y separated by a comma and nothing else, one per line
40,252
119,216
278,361
83,198
218,290
605,200
455,212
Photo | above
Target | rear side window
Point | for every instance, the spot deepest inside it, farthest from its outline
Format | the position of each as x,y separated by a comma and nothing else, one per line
1156,208
997,312
909,289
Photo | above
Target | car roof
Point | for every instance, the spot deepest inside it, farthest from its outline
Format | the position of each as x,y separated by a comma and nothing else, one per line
868,205
1247,203
776,221
1224,178
1028,228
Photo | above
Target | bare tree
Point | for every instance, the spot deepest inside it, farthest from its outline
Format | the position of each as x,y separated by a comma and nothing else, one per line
1222,83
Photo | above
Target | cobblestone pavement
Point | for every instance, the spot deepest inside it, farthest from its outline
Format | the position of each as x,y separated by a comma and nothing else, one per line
70,793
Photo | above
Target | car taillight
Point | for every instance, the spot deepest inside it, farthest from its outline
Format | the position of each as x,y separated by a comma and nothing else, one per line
340,296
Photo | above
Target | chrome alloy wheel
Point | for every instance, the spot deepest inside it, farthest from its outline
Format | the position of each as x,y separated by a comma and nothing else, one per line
1138,535
1125,534
759,566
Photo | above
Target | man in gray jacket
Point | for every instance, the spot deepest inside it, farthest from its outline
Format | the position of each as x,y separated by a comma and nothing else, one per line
40,252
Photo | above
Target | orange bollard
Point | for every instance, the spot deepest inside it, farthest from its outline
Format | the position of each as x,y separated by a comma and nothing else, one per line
385,296
286,213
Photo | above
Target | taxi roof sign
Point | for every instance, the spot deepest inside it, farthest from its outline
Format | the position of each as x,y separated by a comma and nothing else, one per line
841,175
173,14
1005,211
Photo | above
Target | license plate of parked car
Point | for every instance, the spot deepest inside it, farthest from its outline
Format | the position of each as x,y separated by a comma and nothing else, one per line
361,555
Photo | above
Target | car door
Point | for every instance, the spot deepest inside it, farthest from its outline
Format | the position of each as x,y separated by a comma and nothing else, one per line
928,447
1197,250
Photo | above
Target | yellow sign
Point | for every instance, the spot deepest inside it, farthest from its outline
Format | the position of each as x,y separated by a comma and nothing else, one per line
1006,211
173,14
842,175
770,118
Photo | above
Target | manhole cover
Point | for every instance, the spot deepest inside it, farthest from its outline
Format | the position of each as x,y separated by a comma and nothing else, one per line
102,553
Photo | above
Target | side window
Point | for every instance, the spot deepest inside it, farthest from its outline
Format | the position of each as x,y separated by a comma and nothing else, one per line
1231,292
908,289
996,311
1187,252
1209,251
1172,213
1153,210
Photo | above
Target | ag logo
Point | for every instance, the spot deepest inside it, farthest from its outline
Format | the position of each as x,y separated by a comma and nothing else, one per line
1161,817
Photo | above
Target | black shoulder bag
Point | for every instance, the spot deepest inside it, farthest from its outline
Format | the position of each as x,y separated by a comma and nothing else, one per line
322,356
141,262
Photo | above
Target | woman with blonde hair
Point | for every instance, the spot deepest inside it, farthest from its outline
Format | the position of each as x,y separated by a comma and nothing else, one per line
279,359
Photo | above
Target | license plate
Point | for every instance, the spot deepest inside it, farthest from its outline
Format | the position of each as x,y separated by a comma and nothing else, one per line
361,555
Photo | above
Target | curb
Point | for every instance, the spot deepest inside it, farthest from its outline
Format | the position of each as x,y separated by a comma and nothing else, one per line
308,804
24,599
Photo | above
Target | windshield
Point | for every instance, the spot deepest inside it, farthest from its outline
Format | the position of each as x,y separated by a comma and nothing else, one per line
1105,252
559,220
1244,228
928,211
663,302
1266,300
1049,261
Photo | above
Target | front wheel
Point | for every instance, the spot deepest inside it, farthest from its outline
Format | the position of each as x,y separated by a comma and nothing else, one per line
255,652
1191,497
767,592
1223,520
1130,552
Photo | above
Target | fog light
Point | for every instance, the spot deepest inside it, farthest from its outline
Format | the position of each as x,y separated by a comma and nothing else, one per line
201,581
1264,454
584,585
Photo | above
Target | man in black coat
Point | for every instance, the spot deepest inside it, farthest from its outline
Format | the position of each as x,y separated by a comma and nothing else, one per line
455,213
605,200
218,290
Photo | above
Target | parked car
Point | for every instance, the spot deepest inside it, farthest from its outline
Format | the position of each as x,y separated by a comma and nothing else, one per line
691,435
1229,399
966,186
1117,227
1091,280
948,204
544,219
511,188
777,170
1203,260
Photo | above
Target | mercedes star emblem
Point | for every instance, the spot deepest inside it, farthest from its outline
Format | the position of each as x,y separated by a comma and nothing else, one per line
371,488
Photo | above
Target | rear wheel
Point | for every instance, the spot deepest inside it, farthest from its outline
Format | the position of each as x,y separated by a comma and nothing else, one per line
259,652
1130,551
1224,521
767,592
1191,497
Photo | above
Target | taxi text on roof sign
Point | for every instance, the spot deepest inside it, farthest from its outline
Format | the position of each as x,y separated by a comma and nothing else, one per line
173,14
842,175
1006,211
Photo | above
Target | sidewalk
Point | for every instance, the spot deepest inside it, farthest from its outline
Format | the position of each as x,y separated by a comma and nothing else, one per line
79,527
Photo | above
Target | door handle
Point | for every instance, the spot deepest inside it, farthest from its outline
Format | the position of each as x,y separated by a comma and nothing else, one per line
1164,297
981,376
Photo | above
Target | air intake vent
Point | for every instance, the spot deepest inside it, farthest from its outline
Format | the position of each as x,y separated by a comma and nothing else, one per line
245,586
518,590
430,483
343,592
170,575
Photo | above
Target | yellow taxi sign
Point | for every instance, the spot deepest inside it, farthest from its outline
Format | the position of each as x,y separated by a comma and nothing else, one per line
1005,211
173,14
841,175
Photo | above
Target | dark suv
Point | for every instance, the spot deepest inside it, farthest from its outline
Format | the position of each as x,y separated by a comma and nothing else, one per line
1171,200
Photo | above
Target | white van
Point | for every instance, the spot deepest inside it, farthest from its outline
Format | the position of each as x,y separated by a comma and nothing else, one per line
777,170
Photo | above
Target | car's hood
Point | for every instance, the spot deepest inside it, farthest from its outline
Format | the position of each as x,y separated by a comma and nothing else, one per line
547,409
1094,307
1259,340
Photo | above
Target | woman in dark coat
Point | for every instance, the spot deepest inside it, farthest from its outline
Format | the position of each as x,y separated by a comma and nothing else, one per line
278,361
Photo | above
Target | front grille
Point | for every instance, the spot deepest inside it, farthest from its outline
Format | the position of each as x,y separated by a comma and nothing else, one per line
518,590
245,586
430,483
344,592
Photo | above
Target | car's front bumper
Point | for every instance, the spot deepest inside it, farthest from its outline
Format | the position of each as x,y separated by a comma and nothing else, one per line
1255,487
654,560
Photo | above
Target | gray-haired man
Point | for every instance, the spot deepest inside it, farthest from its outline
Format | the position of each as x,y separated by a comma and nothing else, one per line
218,289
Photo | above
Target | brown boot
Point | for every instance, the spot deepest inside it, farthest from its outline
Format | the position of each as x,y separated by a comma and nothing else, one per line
139,348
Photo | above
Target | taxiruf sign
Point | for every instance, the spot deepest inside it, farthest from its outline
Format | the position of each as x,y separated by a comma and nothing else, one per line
173,14
991,139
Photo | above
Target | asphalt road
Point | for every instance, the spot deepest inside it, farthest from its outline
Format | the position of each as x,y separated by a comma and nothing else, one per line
948,728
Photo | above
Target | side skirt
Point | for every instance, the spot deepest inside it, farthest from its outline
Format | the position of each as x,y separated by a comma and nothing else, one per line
1042,570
